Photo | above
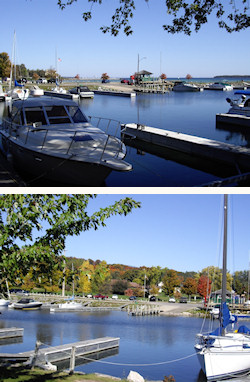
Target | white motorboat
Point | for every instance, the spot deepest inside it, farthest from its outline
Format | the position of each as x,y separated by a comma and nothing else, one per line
35,91
240,106
18,93
51,138
26,304
182,86
82,91
219,86
68,305
224,353
238,113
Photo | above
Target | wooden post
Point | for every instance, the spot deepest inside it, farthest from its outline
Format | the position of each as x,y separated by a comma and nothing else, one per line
72,360
38,344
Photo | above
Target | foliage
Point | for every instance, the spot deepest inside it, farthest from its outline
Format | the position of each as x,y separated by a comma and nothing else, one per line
33,229
100,278
171,281
240,282
189,286
185,15
215,274
204,286
163,76
5,65
129,292
120,286
105,76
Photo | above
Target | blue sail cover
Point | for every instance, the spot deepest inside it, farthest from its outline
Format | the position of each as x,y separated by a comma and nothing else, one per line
247,92
17,83
225,316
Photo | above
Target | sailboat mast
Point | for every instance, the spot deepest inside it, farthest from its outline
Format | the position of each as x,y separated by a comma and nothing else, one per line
224,267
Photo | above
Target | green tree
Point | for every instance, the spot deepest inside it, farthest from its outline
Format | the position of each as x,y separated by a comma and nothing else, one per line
240,282
33,228
101,278
5,65
120,286
185,15
215,274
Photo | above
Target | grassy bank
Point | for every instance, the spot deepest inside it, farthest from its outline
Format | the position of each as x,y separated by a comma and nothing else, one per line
21,374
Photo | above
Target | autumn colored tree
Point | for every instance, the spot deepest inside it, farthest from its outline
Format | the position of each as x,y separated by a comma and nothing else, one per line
188,76
189,286
104,76
163,76
204,286
86,272
170,281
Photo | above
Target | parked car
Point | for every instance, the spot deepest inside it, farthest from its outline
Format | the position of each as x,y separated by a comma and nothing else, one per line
183,300
89,296
105,81
100,296
172,299
115,297
52,81
152,298
41,81
132,298
126,82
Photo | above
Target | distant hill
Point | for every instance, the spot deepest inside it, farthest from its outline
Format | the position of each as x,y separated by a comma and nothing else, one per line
233,76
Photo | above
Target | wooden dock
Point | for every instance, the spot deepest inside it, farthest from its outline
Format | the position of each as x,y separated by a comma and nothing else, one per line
143,310
214,151
11,332
233,119
63,352
115,93
61,95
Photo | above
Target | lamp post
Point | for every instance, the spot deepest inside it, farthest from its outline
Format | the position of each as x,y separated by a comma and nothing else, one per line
138,63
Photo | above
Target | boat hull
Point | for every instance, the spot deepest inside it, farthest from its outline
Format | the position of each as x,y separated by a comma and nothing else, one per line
56,169
222,363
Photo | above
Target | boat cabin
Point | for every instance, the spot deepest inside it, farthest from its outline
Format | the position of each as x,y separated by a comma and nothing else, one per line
45,112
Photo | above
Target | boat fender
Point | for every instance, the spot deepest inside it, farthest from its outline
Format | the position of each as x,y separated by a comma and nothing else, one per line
228,100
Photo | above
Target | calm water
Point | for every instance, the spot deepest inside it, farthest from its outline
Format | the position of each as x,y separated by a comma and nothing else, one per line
143,340
190,113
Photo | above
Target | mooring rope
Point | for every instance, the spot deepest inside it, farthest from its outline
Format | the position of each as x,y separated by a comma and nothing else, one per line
126,364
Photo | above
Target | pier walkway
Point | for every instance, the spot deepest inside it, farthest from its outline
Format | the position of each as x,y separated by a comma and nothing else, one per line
62,352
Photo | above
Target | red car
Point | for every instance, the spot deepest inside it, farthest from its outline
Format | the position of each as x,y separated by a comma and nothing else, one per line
100,296
126,82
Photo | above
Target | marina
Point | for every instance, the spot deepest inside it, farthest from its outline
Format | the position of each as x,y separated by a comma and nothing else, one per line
143,341
178,114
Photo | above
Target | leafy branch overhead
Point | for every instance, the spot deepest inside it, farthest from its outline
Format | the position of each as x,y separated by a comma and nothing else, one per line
34,228
186,15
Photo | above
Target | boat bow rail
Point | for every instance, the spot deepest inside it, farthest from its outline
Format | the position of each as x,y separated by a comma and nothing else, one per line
88,144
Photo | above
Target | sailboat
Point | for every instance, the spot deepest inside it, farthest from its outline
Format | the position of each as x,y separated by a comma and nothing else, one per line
16,92
224,353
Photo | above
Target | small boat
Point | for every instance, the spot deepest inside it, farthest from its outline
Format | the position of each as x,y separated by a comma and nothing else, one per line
219,86
239,111
240,106
35,91
4,302
82,91
18,92
51,138
225,352
26,304
182,86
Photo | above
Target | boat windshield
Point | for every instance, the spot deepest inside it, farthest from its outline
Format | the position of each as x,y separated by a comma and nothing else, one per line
55,114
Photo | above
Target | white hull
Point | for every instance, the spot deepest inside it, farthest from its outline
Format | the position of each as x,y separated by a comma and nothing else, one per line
4,302
223,363
70,306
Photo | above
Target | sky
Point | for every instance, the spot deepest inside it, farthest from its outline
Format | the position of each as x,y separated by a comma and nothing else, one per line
177,231
42,29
